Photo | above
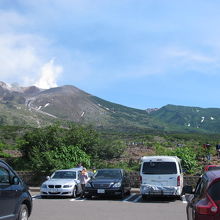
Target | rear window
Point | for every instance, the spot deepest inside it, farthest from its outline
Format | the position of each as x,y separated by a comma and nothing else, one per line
214,168
214,191
159,168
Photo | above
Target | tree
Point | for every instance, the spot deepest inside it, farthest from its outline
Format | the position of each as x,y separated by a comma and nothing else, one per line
62,157
53,147
110,149
188,157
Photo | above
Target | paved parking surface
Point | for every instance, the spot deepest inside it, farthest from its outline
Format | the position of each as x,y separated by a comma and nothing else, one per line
130,208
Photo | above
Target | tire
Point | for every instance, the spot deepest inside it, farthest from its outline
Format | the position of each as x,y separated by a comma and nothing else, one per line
122,195
129,192
144,197
88,196
23,213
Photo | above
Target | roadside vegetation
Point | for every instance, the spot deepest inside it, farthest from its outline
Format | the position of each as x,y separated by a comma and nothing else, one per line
55,147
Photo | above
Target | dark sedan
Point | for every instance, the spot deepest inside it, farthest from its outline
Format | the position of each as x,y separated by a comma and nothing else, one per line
108,182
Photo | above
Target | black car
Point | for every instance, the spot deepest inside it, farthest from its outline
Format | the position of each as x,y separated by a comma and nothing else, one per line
108,182
15,200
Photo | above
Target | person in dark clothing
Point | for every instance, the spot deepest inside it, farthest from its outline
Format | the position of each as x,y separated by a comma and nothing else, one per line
207,148
218,150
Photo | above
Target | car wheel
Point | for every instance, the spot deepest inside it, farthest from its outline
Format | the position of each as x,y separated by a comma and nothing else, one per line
23,212
144,197
122,195
88,196
74,192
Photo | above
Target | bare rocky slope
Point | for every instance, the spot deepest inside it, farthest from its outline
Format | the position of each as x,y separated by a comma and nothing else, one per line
36,107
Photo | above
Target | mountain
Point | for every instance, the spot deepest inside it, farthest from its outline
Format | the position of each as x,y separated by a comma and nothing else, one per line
189,119
32,106
36,107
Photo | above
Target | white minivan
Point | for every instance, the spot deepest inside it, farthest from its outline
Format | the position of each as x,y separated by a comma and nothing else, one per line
161,176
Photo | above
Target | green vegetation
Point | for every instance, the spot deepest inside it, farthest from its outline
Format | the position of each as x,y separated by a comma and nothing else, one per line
57,147
54,147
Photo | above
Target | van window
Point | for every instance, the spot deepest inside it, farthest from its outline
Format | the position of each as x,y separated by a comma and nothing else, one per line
159,168
214,191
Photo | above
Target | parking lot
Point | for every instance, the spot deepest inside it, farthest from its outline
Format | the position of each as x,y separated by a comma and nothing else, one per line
131,207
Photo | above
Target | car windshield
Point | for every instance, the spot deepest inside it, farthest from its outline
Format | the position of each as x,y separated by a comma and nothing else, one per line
159,168
64,175
108,174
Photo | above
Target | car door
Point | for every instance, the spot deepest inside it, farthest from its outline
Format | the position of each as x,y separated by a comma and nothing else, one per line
9,193
7,197
193,199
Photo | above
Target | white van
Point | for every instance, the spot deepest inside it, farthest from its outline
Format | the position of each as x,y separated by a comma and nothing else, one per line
161,175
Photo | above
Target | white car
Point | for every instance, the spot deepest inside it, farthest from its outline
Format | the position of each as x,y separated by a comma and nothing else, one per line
161,176
62,183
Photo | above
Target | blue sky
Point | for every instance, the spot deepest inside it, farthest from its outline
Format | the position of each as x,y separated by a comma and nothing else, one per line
138,53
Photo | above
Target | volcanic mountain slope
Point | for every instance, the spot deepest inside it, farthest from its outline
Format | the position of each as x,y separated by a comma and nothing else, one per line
33,106
36,107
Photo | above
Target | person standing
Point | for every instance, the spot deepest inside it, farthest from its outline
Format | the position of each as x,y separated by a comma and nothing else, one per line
84,178
79,165
218,150
208,151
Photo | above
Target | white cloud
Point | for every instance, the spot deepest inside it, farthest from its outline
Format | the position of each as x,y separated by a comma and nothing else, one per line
188,55
23,54
10,20
18,55
48,75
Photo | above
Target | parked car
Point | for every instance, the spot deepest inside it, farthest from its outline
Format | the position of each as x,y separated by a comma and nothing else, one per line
62,183
15,199
211,167
161,176
204,202
108,182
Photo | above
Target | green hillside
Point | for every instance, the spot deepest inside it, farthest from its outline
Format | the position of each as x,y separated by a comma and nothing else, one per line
189,119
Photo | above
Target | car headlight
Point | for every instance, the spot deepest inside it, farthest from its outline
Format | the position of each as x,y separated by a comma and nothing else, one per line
44,186
67,186
117,185
88,185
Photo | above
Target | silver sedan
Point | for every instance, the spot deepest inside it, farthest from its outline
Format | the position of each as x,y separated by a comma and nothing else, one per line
62,183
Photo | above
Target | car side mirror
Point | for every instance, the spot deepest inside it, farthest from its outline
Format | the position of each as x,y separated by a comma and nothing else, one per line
47,177
15,180
188,189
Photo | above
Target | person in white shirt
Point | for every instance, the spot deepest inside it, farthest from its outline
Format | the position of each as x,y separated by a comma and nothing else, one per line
84,178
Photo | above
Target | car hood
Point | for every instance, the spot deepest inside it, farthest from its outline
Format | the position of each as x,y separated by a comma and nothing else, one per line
60,182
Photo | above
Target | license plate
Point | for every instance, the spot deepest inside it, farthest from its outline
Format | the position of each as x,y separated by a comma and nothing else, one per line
100,191
53,190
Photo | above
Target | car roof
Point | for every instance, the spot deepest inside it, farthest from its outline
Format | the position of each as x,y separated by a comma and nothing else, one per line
2,161
164,158
212,165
